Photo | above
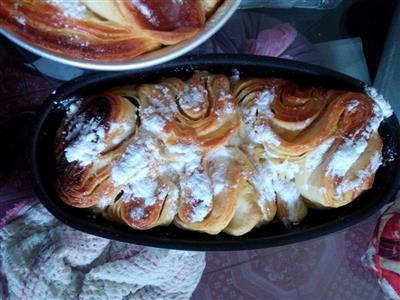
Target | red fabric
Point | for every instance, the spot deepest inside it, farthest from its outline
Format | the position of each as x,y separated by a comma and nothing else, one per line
393,279
385,246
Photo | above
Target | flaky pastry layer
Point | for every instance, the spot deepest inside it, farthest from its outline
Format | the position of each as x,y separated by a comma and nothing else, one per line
214,155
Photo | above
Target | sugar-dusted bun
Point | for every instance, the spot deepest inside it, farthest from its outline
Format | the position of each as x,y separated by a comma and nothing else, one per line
208,115
248,214
92,135
158,208
227,171
211,155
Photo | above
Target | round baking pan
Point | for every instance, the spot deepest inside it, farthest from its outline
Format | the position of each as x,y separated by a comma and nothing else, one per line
316,223
213,24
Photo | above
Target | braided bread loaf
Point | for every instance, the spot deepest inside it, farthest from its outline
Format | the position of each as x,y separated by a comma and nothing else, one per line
112,30
211,155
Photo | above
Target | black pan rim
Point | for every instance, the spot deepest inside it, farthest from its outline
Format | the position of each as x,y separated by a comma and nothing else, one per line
242,243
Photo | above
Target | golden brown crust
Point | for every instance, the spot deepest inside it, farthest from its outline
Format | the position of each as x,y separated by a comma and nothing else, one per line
85,185
248,213
302,118
217,120
225,203
242,154
324,189
112,30
136,214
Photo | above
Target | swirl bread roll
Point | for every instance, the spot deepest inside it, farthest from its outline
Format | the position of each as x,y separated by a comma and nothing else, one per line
154,204
70,29
339,171
200,111
149,198
274,181
88,140
248,213
207,113
263,132
226,175
284,117
144,193
293,122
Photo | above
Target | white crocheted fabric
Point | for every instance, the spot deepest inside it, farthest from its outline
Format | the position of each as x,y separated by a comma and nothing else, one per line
40,258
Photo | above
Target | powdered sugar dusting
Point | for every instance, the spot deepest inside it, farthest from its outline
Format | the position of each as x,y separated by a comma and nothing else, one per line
315,157
161,110
218,162
71,105
104,202
350,150
184,163
345,156
73,109
229,108
263,103
263,183
195,185
137,213
139,161
85,136
389,155
152,120
286,169
256,117
184,158
137,170
276,178
223,95
385,107
262,133
197,192
70,8
147,189
88,144
362,175
192,98
200,174
288,193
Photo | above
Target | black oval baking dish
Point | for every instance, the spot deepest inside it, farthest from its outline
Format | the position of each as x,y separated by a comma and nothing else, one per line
316,223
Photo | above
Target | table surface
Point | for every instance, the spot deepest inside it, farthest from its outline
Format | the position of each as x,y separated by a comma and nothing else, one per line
324,268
